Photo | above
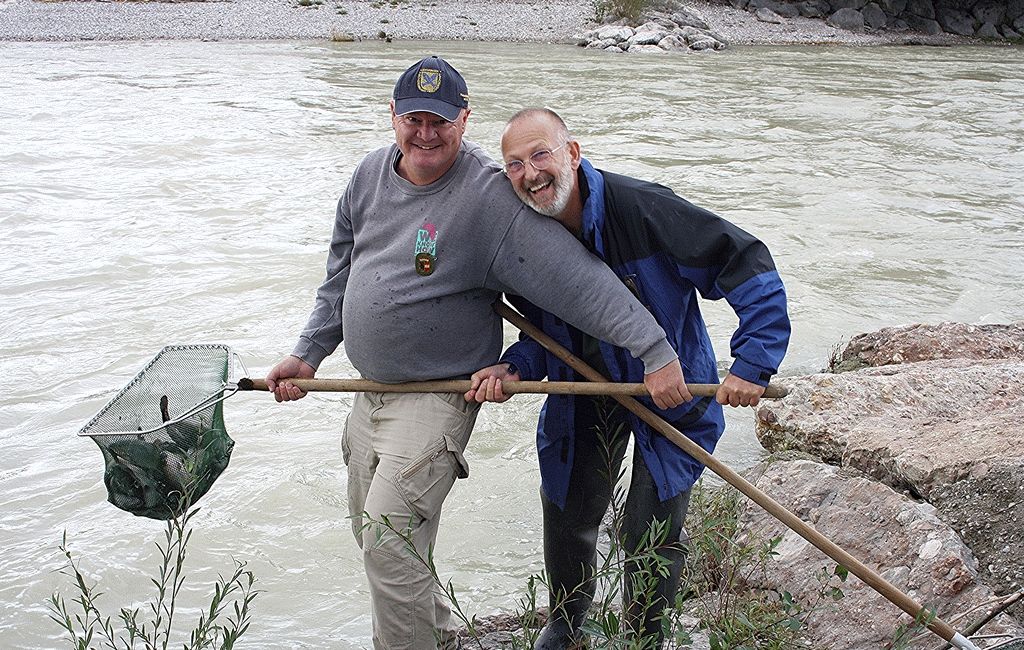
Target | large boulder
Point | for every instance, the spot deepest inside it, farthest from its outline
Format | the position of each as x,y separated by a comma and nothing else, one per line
689,18
900,539
647,34
849,19
916,426
847,4
923,25
787,10
922,8
814,8
908,343
766,15
674,43
988,30
946,428
989,11
645,49
617,33
874,17
956,21
893,7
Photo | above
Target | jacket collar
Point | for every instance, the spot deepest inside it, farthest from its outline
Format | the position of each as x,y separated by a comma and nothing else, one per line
592,194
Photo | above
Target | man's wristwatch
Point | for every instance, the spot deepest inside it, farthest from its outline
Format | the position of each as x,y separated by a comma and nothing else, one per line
513,369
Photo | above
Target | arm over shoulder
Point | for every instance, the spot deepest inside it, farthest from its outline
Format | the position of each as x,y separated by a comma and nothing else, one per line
539,260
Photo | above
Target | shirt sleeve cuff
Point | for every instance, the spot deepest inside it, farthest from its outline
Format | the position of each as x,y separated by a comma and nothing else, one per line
750,372
310,352
658,356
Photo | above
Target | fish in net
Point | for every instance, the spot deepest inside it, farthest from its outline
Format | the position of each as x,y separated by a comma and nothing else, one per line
163,437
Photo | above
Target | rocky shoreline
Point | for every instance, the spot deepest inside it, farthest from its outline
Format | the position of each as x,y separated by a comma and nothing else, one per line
908,454
549,21
914,462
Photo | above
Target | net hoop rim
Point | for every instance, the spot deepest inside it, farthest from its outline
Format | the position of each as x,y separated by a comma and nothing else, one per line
226,390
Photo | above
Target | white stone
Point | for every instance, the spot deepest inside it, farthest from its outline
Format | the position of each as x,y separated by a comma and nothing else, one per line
929,549
645,49
618,33
647,37
673,43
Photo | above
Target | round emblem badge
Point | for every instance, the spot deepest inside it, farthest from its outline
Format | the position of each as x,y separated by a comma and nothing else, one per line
424,263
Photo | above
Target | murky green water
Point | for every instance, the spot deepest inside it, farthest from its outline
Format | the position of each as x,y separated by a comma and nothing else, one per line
183,192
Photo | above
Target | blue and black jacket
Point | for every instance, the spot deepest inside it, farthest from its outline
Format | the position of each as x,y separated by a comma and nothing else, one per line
666,250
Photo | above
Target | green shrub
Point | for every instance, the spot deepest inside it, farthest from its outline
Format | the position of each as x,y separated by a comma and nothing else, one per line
152,627
715,589
631,10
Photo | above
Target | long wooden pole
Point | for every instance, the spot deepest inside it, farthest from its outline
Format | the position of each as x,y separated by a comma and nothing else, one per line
463,385
774,508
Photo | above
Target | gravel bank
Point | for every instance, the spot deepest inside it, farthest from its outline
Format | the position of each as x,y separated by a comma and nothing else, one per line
484,20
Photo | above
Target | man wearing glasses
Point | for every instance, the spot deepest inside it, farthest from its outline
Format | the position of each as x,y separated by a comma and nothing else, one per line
427,235
665,250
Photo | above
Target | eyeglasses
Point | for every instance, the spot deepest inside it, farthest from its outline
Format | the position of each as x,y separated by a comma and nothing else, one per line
414,123
540,161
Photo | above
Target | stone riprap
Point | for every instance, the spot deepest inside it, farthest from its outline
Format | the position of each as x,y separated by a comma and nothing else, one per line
989,19
683,30
673,26
944,429
900,539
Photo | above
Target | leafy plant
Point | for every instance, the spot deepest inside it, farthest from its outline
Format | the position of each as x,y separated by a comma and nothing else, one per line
152,627
905,632
715,587
385,526
631,10
722,570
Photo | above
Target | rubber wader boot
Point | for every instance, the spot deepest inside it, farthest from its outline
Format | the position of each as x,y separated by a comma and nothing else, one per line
570,558
644,612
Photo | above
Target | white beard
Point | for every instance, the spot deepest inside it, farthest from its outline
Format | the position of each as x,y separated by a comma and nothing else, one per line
562,183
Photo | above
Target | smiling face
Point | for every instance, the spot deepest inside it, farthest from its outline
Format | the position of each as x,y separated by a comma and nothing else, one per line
551,191
429,144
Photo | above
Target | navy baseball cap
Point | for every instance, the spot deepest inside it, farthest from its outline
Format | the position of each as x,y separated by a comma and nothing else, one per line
433,86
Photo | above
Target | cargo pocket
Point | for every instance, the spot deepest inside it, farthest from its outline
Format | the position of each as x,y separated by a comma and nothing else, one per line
427,480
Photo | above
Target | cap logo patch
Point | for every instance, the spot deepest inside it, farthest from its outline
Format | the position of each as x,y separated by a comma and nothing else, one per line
428,81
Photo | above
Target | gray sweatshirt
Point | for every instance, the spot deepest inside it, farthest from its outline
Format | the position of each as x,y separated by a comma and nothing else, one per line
413,271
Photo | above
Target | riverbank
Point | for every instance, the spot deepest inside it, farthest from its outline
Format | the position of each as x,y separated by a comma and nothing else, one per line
557,21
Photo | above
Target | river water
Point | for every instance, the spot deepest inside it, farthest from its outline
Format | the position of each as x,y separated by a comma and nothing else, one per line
163,193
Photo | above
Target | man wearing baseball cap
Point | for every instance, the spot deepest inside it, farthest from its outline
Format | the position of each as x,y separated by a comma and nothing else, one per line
427,236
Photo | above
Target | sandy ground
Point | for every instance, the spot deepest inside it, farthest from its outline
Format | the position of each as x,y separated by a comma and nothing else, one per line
486,20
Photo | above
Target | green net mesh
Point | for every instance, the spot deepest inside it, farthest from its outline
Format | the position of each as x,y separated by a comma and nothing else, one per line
163,437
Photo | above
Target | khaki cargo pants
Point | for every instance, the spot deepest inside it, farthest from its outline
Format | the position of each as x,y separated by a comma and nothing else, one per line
404,452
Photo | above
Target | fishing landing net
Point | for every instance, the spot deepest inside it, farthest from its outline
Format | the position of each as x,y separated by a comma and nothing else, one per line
163,437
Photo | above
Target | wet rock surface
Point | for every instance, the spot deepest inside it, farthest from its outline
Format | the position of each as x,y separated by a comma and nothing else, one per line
899,538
